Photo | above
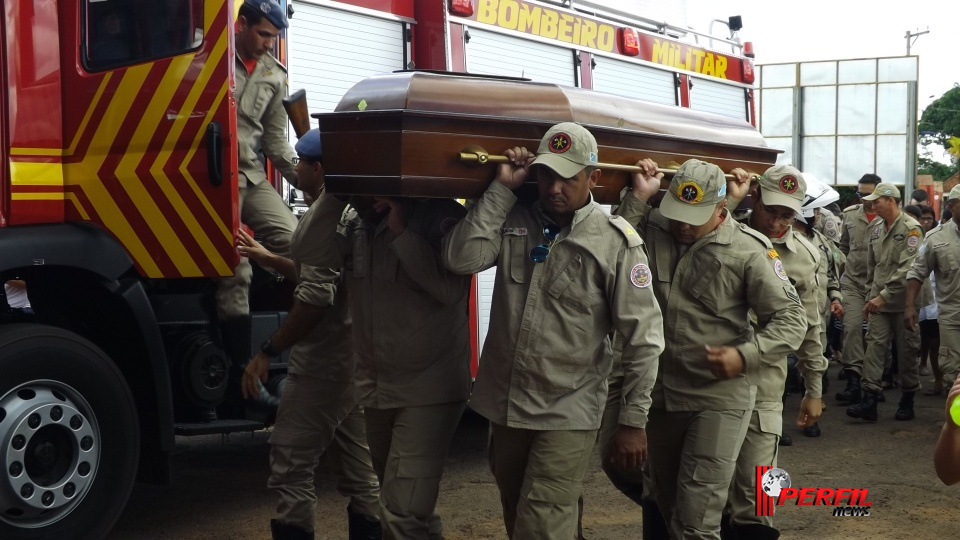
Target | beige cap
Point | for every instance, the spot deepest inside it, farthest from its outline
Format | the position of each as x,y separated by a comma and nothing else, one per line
884,189
954,193
694,192
783,185
567,148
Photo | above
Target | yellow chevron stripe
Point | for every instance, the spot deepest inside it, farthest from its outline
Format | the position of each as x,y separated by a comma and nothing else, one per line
25,173
176,132
76,203
152,117
203,81
85,172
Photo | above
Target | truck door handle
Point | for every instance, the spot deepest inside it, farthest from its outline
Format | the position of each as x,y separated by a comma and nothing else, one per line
214,154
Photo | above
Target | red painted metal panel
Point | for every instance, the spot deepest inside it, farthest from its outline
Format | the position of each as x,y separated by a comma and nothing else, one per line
430,35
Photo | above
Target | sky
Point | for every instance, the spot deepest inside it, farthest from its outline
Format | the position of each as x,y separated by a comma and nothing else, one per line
831,30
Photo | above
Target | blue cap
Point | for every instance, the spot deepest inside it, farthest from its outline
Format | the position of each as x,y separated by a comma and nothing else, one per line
309,144
271,10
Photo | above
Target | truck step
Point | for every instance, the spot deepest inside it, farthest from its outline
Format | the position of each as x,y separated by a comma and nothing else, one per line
192,429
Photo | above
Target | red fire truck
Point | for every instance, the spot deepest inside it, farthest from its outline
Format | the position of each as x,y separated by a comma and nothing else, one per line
118,201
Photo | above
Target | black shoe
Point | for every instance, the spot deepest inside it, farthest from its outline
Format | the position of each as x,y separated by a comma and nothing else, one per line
905,410
654,526
852,393
756,531
785,440
866,409
881,398
282,531
363,527
812,431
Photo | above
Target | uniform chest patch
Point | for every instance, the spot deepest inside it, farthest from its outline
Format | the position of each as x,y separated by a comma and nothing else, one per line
640,276
514,231
875,234
778,268
898,237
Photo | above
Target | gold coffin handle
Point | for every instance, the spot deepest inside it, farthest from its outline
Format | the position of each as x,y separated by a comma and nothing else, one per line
476,156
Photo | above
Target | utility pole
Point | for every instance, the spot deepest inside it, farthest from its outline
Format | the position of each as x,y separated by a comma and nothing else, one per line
911,38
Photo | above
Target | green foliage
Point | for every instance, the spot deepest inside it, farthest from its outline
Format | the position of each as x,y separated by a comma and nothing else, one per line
941,119
939,171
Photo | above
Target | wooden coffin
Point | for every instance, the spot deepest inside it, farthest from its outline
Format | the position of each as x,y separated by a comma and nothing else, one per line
402,134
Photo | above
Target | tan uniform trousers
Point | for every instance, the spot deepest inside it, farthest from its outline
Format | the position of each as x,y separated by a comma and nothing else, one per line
409,447
949,355
692,460
317,415
881,329
853,342
760,448
628,482
540,477
263,210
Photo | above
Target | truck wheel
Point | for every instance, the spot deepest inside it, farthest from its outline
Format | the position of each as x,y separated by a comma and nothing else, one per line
69,437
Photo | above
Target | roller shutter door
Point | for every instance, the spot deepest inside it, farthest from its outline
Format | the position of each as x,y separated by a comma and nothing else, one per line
635,81
718,98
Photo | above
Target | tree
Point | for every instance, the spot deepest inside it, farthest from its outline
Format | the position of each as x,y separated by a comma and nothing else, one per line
940,127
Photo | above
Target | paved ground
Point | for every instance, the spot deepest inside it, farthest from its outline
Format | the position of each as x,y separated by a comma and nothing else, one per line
218,490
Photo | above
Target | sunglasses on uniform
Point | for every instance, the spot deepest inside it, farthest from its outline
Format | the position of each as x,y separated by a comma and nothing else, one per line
550,233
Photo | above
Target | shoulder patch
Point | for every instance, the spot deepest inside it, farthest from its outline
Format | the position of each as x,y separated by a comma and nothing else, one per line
640,276
773,254
633,238
778,268
914,232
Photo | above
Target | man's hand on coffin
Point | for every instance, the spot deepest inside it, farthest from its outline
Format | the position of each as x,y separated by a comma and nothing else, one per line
514,174
646,184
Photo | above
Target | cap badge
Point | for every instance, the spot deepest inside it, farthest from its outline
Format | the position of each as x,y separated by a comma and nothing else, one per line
789,184
560,143
689,192
265,7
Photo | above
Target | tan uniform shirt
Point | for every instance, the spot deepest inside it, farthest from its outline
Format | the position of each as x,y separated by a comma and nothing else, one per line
807,271
889,256
807,267
835,261
940,253
410,318
262,121
829,225
853,243
326,352
706,293
547,355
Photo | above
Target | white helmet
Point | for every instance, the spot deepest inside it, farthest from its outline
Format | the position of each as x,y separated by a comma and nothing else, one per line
819,194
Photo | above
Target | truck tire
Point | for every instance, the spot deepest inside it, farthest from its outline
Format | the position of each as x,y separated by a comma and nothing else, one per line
69,436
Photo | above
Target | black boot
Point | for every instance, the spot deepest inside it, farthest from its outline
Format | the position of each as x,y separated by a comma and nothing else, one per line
905,411
785,440
756,531
363,527
866,409
851,394
812,431
654,527
282,531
